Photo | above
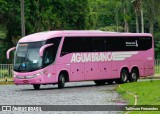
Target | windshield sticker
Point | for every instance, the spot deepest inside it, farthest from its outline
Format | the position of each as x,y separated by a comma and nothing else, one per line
23,64
35,61
23,44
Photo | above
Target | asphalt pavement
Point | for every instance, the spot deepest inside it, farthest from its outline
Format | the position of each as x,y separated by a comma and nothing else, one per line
75,93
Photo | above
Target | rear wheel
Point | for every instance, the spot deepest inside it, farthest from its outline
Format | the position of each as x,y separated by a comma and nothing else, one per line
36,86
133,75
61,81
100,82
123,77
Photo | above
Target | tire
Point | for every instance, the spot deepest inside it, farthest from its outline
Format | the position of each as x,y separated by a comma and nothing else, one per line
123,77
36,86
100,82
61,81
110,81
133,75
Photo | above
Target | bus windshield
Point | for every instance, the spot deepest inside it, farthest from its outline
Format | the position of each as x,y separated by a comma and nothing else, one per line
27,56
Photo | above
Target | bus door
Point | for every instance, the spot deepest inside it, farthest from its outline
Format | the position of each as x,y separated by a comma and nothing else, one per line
48,59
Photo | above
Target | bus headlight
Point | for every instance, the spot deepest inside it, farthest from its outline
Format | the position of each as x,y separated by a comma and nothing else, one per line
39,73
34,75
14,75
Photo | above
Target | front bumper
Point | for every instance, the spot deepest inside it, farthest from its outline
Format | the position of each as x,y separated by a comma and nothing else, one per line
35,80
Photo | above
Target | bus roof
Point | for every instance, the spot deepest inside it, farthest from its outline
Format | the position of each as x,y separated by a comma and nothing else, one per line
50,34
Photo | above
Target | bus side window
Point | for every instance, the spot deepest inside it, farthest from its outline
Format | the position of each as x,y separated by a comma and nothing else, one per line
76,44
99,44
48,56
51,52
67,46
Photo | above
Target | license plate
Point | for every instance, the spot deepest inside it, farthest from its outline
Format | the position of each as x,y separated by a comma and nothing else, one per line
25,81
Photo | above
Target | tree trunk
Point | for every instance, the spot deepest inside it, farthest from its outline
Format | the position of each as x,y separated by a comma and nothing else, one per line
151,27
137,24
117,21
22,18
126,28
142,19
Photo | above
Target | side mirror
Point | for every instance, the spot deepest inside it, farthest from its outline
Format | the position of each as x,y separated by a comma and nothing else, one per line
8,52
43,48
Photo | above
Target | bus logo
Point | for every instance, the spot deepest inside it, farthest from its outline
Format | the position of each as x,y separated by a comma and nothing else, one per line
102,56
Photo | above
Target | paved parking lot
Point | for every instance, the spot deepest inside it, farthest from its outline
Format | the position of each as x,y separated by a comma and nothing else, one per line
75,93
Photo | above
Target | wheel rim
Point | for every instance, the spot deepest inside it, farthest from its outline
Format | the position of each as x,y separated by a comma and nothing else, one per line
134,76
63,80
124,77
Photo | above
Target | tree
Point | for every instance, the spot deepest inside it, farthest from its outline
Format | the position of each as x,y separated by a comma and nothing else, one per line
43,15
152,11
136,4
123,10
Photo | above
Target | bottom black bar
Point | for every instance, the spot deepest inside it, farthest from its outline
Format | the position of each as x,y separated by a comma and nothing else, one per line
37,108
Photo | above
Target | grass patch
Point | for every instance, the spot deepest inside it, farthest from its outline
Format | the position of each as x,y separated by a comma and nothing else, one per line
6,75
6,79
5,83
147,91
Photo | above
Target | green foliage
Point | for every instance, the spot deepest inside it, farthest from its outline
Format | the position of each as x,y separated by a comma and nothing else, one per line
142,89
44,15
157,50
56,15
112,28
147,93
157,44
3,49
2,32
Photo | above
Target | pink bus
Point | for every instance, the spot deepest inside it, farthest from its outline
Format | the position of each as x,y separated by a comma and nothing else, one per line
57,57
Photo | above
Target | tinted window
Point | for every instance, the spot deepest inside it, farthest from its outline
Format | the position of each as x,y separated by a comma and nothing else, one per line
51,52
74,44
129,43
100,44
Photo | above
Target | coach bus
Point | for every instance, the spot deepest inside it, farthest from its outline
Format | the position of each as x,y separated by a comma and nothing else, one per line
57,57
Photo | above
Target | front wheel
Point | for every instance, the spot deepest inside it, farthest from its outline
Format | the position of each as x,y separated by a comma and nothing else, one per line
61,81
133,76
36,86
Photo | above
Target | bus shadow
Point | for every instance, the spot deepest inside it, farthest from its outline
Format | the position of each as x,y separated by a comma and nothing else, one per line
69,87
